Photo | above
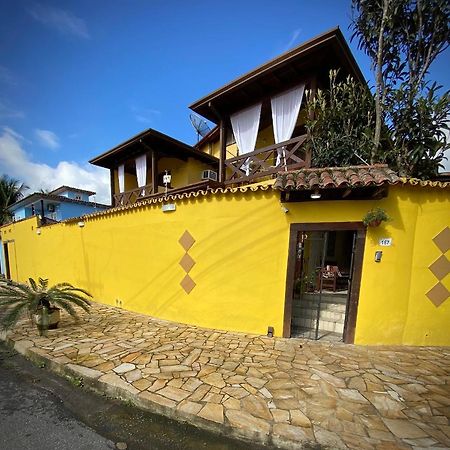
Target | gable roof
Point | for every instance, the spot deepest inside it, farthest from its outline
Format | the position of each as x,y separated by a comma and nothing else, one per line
145,141
326,51
38,196
65,188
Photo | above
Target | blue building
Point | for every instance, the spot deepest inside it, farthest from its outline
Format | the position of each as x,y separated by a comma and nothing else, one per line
60,204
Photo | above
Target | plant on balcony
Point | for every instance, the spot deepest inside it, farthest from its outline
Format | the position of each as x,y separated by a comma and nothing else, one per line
340,123
40,302
374,217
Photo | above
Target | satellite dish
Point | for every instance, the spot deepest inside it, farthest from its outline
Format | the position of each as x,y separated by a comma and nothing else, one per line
200,125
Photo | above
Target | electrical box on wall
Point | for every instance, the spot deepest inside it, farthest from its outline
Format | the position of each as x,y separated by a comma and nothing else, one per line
378,255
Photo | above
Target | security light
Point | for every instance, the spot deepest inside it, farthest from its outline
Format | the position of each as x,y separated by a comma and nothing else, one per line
316,195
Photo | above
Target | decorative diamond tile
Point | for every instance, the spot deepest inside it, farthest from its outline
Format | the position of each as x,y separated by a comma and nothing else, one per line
442,240
186,241
440,268
187,263
187,283
438,294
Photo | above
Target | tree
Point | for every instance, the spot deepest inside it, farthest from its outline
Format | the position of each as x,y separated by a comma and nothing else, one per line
11,191
403,38
340,123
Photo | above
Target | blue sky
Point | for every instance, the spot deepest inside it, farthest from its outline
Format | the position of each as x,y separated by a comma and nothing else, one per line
79,77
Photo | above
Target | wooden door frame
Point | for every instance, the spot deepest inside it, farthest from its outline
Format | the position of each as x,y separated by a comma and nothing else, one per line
352,309
6,260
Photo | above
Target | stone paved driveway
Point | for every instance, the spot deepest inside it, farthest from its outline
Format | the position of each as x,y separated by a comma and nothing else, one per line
285,392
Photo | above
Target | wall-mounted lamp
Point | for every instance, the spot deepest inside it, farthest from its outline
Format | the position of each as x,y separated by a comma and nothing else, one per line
81,224
167,178
38,231
316,195
168,207
284,209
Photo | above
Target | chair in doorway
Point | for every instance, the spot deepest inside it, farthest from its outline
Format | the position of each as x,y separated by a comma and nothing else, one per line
331,278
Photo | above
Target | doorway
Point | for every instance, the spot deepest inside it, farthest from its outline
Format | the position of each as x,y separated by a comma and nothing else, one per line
6,261
324,272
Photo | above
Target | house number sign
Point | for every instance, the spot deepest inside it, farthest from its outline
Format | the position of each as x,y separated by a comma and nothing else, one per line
385,242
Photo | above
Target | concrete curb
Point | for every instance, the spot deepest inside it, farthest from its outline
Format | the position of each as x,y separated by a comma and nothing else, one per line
113,386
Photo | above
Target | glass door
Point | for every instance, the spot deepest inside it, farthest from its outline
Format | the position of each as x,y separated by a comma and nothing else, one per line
324,264
308,285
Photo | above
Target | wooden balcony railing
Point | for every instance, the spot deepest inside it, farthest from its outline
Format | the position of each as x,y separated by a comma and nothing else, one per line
128,197
262,162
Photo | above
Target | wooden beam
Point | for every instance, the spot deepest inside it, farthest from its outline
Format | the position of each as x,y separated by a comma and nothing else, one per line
154,172
313,89
223,151
347,192
353,300
380,193
111,182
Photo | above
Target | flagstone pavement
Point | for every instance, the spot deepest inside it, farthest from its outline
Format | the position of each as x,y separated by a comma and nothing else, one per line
289,393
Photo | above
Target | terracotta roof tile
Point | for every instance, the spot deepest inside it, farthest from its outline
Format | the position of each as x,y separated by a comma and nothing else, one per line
336,177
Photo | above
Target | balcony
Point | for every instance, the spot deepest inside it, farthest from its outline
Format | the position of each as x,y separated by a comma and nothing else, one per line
132,196
136,195
247,168
262,162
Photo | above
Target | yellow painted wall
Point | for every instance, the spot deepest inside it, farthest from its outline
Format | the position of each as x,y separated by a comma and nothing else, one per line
394,308
134,256
130,181
183,173
241,253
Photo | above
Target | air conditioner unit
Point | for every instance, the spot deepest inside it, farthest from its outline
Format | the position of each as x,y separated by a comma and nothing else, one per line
209,175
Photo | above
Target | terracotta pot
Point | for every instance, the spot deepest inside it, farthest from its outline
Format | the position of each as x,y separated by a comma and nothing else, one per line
375,223
54,316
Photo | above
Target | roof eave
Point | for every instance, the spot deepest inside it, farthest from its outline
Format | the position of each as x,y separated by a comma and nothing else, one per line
191,151
334,33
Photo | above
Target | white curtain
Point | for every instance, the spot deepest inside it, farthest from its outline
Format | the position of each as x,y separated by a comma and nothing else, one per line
141,171
245,126
121,172
285,109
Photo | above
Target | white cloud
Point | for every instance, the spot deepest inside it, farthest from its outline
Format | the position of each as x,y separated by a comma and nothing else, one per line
15,162
47,138
294,36
60,19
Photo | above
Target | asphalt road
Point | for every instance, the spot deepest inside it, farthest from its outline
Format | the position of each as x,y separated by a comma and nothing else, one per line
41,411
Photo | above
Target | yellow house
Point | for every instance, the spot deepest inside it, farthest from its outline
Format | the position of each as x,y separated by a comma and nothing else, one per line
272,246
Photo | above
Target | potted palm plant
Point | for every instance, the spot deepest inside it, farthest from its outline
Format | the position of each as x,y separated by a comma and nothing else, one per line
375,216
41,302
